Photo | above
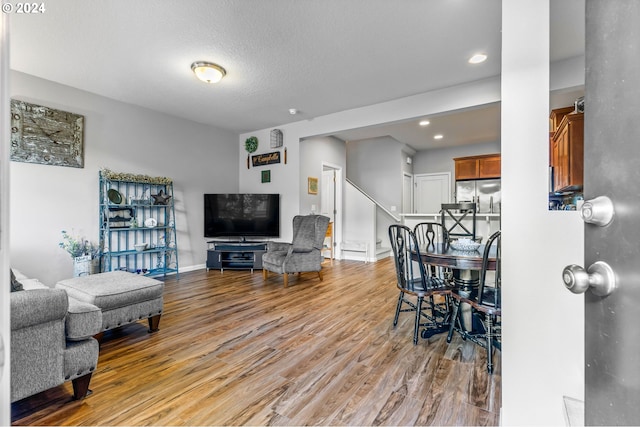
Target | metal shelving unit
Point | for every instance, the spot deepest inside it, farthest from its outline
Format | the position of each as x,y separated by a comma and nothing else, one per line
137,209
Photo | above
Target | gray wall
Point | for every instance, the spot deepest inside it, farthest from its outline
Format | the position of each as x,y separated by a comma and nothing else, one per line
376,165
313,152
441,159
48,199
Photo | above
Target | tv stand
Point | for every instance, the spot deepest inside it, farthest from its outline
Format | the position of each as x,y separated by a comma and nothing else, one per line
235,255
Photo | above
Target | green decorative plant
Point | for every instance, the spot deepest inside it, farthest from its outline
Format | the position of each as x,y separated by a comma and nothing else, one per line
78,246
251,144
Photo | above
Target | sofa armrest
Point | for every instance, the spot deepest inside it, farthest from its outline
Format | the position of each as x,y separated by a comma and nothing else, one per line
37,306
278,246
84,320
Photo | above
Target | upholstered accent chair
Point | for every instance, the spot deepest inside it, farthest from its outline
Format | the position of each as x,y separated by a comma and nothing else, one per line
303,254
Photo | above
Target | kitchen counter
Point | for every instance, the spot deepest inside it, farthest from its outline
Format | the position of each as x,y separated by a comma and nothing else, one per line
486,223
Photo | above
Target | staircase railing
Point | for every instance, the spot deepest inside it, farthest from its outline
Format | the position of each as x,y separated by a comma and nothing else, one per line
382,208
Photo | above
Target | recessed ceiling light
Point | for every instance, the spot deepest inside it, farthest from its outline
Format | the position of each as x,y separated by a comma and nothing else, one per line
477,58
424,122
438,136
293,111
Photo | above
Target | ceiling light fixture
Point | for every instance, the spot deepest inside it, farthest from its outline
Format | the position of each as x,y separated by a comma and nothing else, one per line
477,58
438,136
208,72
424,122
293,111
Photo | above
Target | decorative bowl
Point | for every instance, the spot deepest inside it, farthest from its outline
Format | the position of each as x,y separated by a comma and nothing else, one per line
467,245
140,247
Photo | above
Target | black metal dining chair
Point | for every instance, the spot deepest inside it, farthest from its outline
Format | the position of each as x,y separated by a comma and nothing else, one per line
428,235
486,306
452,216
413,280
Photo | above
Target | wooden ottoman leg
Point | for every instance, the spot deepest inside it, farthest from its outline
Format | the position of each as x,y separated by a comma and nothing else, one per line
154,323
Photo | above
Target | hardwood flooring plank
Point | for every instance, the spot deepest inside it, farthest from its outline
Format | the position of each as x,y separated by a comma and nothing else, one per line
234,349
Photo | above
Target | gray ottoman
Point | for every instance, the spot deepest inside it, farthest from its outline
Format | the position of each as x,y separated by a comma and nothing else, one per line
121,296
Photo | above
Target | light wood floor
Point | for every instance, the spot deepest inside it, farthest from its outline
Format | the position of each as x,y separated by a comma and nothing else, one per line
234,350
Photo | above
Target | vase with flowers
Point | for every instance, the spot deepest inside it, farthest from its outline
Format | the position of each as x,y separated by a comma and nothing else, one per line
84,254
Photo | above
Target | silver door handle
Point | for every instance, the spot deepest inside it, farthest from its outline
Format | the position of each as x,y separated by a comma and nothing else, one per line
598,211
599,277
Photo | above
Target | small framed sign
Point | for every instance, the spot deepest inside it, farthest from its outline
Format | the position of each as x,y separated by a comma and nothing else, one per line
312,185
265,159
266,176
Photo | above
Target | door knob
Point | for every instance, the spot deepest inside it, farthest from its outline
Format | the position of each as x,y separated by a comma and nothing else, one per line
599,277
598,211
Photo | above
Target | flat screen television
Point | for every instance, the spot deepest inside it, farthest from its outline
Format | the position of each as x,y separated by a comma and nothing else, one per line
241,215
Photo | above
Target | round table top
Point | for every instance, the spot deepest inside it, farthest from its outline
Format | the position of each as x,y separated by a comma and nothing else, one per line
444,255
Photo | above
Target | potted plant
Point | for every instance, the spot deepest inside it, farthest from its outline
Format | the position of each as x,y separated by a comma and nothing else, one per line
83,252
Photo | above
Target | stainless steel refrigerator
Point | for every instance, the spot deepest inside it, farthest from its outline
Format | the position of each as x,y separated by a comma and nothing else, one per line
484,192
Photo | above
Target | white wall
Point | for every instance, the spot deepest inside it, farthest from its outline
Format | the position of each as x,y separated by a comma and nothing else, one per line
124,138
543,327
287,179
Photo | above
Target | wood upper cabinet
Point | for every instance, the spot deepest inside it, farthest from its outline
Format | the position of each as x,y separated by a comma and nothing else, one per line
567,153
477,167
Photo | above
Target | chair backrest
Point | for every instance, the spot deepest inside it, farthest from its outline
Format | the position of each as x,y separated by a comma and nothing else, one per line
452,217
309,232
410,273
429,234
496,276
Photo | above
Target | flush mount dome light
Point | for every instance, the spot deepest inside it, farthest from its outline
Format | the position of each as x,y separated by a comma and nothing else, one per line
208,72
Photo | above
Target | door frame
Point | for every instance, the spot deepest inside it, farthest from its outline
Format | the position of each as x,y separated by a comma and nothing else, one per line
338,185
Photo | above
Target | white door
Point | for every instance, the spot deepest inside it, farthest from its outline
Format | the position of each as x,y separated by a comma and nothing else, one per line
328,194
407,193
331,201
432,189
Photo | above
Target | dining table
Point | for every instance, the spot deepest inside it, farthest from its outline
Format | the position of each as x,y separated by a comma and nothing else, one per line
465,266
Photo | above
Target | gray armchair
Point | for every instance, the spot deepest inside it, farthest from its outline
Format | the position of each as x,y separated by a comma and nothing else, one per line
303,254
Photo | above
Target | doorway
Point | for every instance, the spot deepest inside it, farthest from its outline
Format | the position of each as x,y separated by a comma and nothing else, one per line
331,201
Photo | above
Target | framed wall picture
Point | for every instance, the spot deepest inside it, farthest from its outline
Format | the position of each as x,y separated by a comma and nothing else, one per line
266,176
46,136
312,185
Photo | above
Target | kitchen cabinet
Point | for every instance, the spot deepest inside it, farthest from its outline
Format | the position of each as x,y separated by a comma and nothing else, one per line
567,153
477,167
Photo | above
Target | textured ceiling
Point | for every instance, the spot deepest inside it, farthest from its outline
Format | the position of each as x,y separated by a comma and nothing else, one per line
320,56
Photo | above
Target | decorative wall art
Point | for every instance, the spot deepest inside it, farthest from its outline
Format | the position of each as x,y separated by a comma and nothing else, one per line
312,185
266,159
46,136
266,176
251,145
276,138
